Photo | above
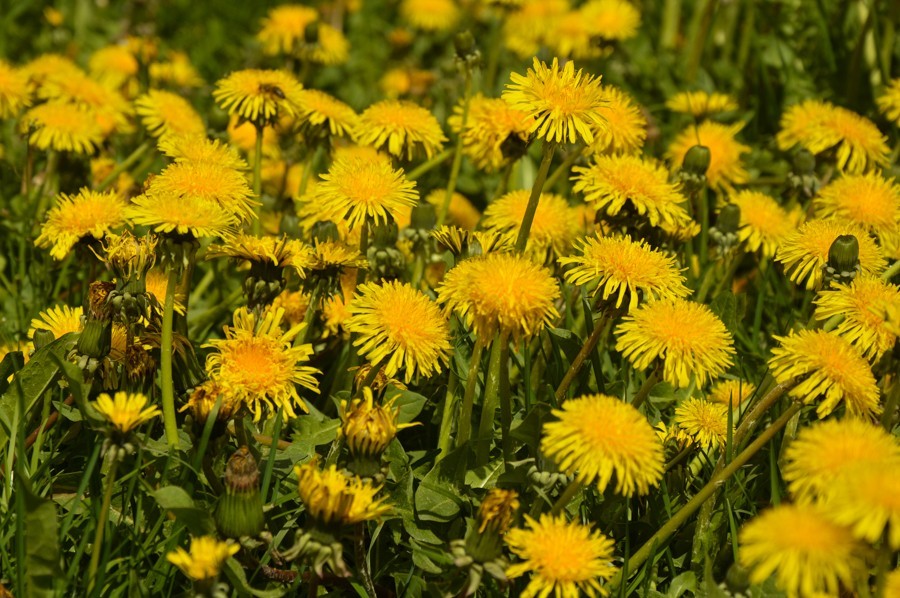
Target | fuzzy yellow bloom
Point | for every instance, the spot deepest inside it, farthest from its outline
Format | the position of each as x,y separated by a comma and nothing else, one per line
284,28
195,216
689,340
497,510
368,428
612,19
726,169
166,113
399,328
491,125
177,71
279,252
705,422
194,149
532,24
39,69
553,230
461,213
333,498
889,101
400,127
14,91
596,436
808,553
63,127
827,367
862,306
868,200
764,223
701,103
113,66
260,96
864,498
125,411
620,266
733,392
564,103
59,320
86,214
430,15
205,559
564,558
625,126
320,114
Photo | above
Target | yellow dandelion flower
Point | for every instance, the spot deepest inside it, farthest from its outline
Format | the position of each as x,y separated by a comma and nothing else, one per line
701,103
260,96
864,497
177,71
612,19
205,559
863,306
44,66
319,111
406,81
165,113
284,29
256,363
189,215
625,126
687,337
462,212
113,66
821,126
63,127
400,328
363,190
501,292
614,183
564,103
817,556
206,181
733,392
59,320
400,127
821,452
279,252
294,304
430,15
74,217
335,313
332,498
805,252
555,224
125,411
368,428
829,368
725,166
497,510
333,258
531,25
156,282
892,584
705,422
574,35
618,265
195,149
490,125
596,436
108,107
869,200
764,223
564,558
14,92
331,49
889,105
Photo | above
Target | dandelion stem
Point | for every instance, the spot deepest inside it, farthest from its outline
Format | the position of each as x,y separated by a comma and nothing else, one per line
464,429
566,497
644,391
362,564
257,177
679,518
499,350
308,170
890,272
123,166
528,218
309,317
424,167
579,360
457,152
166,351
97,548
363,250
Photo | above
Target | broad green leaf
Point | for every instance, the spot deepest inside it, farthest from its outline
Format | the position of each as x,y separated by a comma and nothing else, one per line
410,404
174,499
438,496
235,574
41,543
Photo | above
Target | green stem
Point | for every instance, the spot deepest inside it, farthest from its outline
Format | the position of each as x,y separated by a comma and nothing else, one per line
457,152
703,209
491,400
890,272
566,497
503,185
699,31
124,165
166,351
257,178
308,168
670,20
565,167
464,423
310,315
97,548
363,250
890,407
505,405
424,167
362,563
644,391
579,360
679,518
535,197
679,457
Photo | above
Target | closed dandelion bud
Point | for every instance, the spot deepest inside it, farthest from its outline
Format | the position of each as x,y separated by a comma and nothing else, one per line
240,509
42,338
514,147
804,162
485,542
464,43
367,430
385,234
737,580
843,259
724,233
96,339
696,160
386,262
325,230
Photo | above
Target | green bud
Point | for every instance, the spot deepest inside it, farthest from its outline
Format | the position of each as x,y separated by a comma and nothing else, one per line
737,580
696,160
465,44
96,339
42,338
729,218
385,233
843,255
423,216
325,230
804,162
240,509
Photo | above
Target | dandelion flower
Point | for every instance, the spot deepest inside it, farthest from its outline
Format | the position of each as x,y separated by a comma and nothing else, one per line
614,20
368,428
821,452
205,559
63,127
400,328
620,266
462,212
564,558
490,126
49,65
612,183
126,411
725,166
59,321
363,190
284,28
318,111
260,96
170,214
565,104
625,126
113,66
705,422
497,510
209,182
869,200
256,363
74,217
733,392
821,126
829,368
555,224
106,106
194,149
596,436
14,92
501,292
701,103
863,306
805,252
332,258
532,25
278,252
764,223
294,304
156,281
333,498
574,36
177,71
889,105
864,497
400,127
817,556
166,113
686,336
430,15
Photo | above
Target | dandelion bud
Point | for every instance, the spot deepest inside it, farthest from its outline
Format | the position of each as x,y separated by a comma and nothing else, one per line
465,44
42,338
368,429
240,509
729,218
385,234
696,160
804,162
325,230
98,293
737,580
96,339
423,216
843,259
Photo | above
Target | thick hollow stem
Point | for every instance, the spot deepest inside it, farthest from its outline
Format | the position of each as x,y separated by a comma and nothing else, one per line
535,196
566,497
579,360
257,178
491,400
362,564
166,351
644,391
124,165
457,153
364,250
464,427
97,548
